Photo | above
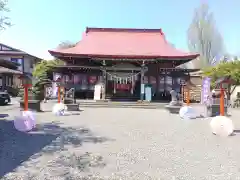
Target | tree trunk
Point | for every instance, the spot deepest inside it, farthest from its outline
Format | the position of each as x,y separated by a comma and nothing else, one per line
230,91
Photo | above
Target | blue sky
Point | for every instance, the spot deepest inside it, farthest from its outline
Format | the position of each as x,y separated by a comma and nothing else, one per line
40,25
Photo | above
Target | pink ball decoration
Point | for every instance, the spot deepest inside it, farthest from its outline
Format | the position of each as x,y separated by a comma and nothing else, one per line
26,122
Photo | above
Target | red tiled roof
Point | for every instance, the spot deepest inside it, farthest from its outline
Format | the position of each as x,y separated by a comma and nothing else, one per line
123,43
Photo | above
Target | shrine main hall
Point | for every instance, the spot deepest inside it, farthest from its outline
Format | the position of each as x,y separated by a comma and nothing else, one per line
130,64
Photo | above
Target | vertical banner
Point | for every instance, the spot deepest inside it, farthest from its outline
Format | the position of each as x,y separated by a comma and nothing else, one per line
54,85
205,89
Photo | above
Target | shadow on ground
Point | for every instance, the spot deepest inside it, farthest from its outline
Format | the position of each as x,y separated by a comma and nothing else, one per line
17,147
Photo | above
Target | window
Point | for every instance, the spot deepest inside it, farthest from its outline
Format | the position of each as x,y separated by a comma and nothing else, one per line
19,61
15,60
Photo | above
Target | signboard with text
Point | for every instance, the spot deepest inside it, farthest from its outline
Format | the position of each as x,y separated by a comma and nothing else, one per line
206,88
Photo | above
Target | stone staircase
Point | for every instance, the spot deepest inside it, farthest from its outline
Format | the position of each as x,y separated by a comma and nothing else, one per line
116,104
122,98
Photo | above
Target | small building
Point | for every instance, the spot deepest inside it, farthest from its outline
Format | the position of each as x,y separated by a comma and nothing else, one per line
19,60
9,75
26,61
124,61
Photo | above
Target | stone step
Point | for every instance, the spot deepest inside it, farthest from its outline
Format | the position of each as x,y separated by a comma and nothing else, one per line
121,103
125,105
107,106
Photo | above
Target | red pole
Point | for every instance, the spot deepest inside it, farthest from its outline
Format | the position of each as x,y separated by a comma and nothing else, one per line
25,97
59,94
222,101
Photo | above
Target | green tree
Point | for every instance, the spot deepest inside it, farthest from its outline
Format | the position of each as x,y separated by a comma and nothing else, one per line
42,76
225,69
45,66
4,19
204,37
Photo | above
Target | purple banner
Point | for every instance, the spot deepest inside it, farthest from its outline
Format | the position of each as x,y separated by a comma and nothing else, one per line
205,89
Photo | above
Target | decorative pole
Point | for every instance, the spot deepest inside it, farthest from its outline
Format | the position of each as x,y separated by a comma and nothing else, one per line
188,97
26,86
59,94
221,100
59,89
26,82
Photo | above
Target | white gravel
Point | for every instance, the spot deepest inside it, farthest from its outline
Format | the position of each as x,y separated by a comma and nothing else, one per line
128,144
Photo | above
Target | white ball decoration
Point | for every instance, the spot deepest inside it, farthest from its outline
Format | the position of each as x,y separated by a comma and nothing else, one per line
25,122
187,112
222,126
59,109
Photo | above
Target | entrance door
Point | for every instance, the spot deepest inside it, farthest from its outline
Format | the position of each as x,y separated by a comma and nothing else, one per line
123,87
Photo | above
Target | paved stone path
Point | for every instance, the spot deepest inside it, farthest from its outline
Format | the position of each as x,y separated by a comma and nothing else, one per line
118,144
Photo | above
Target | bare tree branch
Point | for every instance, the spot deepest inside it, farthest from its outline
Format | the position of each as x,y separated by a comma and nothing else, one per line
66,44
204,37
4,20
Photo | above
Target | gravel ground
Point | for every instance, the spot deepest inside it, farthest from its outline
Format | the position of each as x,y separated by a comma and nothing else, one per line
128,144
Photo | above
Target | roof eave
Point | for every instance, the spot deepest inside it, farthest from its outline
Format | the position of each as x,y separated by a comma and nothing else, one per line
63,54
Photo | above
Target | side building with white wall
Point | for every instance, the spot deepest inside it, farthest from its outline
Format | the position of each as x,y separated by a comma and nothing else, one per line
26,63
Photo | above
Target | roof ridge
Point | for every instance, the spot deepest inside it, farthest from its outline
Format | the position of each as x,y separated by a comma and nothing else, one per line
95,29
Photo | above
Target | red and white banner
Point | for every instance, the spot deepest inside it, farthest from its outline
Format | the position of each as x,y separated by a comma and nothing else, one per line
123,86
92,79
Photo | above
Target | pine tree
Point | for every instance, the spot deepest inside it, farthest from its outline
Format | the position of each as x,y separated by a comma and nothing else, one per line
38,86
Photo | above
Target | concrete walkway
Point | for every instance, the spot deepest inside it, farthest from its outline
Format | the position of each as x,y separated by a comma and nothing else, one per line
116,144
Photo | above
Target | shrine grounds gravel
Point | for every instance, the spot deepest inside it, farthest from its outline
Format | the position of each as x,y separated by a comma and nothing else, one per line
114,144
